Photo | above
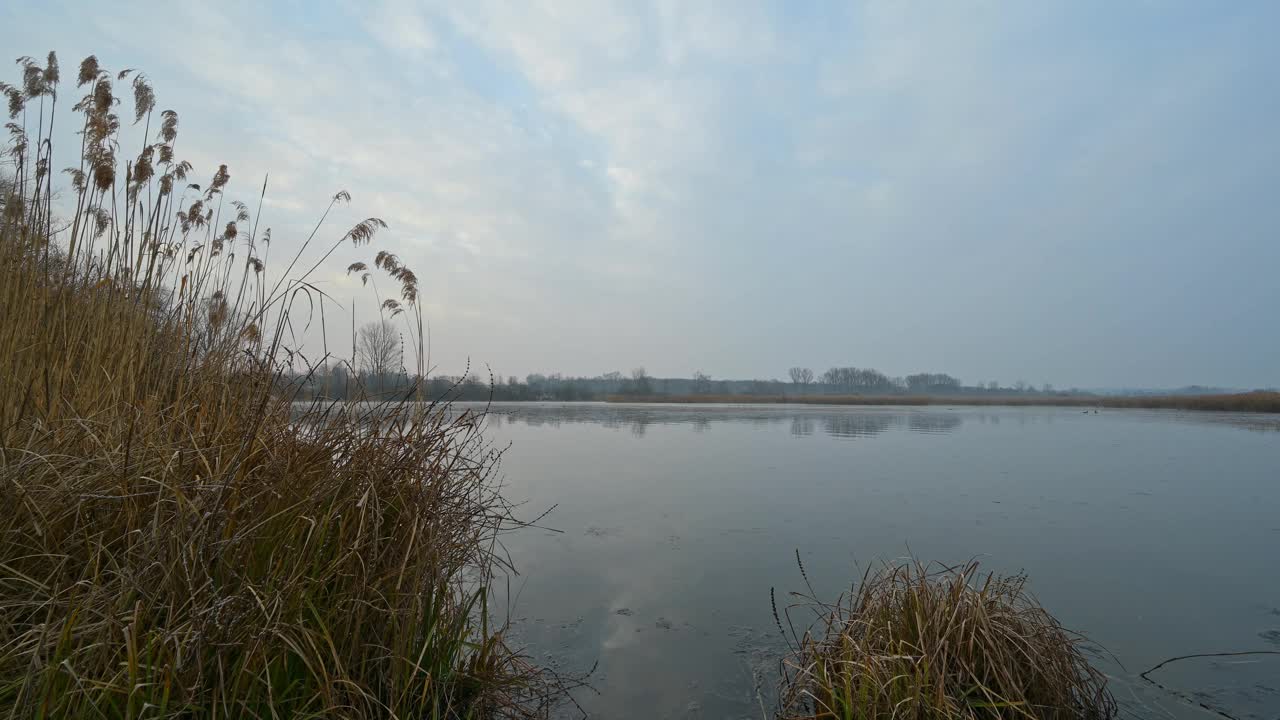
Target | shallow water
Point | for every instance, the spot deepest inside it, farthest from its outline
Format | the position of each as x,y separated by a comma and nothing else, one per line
1155,533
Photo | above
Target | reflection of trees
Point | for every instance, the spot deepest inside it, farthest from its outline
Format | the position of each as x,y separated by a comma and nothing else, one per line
802,425
853,425
539,420
801,422
933,422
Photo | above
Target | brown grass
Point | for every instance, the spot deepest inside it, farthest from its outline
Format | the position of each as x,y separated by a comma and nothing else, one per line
1256,401
173,542
939,644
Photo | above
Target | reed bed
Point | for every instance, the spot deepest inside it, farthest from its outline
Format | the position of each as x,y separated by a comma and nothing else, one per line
1257,401
174,543
939,643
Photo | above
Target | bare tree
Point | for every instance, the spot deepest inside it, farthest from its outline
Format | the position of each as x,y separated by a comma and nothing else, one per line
852,379
701,383
932,383
6,191
640,383
801,376
377,349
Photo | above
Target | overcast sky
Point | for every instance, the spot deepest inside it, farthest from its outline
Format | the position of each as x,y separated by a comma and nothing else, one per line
1081,193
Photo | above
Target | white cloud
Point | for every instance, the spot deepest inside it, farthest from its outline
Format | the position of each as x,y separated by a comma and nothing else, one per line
668,179
402,26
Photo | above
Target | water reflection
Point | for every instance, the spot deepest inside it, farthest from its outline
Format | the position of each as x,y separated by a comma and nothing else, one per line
839,422
859,425
669,550
852,422
933,423
801,426
847,423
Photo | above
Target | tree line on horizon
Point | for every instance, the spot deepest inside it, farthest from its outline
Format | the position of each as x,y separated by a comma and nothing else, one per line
379,370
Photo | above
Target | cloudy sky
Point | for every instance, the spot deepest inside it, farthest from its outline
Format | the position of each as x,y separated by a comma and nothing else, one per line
1081,193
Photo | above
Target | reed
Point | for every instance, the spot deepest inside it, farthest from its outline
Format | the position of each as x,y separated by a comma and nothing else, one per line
179,539
939,643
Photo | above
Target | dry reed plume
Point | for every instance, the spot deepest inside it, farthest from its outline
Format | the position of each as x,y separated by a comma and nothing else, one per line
174,543
933,644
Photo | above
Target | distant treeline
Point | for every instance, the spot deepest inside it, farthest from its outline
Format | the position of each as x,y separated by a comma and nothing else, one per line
339,381
1255,401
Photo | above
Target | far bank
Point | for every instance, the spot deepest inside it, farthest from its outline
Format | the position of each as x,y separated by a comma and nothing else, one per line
1259,401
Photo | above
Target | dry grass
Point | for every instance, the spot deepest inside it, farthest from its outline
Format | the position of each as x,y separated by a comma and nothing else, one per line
173,542
1256,401
943,643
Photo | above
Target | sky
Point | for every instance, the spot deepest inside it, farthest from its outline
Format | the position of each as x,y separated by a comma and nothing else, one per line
1079,193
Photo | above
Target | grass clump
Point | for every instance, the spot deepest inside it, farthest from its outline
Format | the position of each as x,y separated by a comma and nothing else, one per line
178,538
939,644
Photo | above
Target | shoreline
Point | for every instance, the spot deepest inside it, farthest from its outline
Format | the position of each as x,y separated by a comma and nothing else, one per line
1256,402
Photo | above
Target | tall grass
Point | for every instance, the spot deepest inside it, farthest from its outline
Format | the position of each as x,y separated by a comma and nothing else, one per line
173,542
939,644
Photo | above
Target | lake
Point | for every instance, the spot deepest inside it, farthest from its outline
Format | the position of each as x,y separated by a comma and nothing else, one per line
1154,533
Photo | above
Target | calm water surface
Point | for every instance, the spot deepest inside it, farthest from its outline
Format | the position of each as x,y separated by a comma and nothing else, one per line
1154,533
